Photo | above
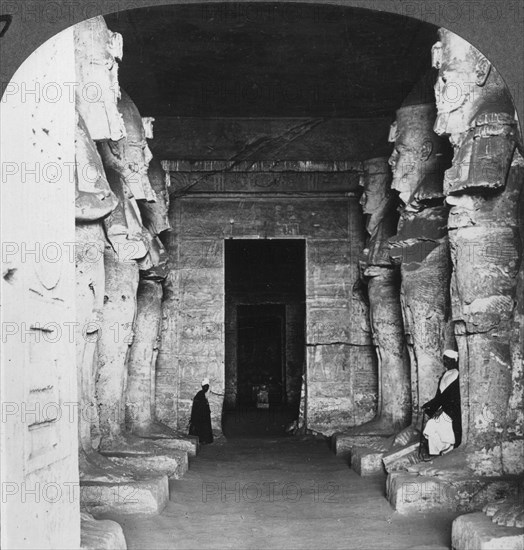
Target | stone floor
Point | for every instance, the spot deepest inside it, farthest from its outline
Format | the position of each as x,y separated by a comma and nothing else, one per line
282,492
250,422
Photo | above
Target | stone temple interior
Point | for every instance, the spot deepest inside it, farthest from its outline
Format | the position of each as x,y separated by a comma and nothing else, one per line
304,204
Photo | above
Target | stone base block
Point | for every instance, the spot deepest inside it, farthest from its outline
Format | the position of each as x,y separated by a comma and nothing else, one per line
401,458
102,534
477,532
413,493
190,444
172,463
144,496
342,443
367,461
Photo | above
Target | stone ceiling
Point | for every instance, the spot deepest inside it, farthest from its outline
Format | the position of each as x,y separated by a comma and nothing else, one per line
270,60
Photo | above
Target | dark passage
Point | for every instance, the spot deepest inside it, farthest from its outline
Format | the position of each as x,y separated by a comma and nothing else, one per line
261,355
265,316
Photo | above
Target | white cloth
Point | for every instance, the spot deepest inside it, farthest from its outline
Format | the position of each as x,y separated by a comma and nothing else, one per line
439,433
448,378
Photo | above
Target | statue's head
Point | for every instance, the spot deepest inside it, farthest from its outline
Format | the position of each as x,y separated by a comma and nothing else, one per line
96,52
136,150
476,110
419,156
155,215
94,199
375,181
467,85
130,157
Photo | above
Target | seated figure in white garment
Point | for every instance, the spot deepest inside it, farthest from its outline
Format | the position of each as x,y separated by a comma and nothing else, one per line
443,430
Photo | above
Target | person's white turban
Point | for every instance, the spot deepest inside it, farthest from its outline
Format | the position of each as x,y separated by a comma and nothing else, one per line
452,354
205,382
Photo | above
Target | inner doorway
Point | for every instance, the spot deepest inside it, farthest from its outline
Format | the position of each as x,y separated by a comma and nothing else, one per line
261,355
265,334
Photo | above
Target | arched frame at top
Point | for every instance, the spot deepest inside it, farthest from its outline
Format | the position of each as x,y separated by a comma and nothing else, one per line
492,26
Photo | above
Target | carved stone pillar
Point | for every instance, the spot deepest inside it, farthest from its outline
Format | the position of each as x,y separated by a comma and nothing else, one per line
421,243
128,245
141,407
140,401
382,277
97,118
421,248
484,189
118,316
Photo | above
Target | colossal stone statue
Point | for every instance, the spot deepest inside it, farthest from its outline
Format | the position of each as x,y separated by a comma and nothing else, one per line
140,401
421,243
95,51
94,201
378,203
125,383
141,385
128,244
484,189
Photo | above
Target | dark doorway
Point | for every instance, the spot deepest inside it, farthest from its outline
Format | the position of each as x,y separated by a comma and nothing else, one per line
265,334
261,355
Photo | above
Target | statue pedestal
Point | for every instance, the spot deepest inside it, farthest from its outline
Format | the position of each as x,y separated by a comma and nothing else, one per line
400,458
477,532
342,443
367,461
145,496
189,443
101,534
409,492
173,463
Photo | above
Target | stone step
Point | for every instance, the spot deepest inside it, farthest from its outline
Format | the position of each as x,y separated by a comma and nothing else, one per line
413,493
367,461
477,532
400,458
146,496
188,444
101,534
171,462
341,443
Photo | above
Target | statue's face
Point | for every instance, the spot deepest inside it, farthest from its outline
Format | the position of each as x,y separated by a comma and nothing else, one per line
463,70
375,192
138,156
155,215
406,168
375,181
416,159
97,90
130,157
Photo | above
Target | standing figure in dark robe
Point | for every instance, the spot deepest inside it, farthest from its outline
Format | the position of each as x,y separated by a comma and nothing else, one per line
444,428
200,423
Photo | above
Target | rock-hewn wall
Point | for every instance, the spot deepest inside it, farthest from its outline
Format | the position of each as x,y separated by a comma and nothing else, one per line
341,370
240,179
39,437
